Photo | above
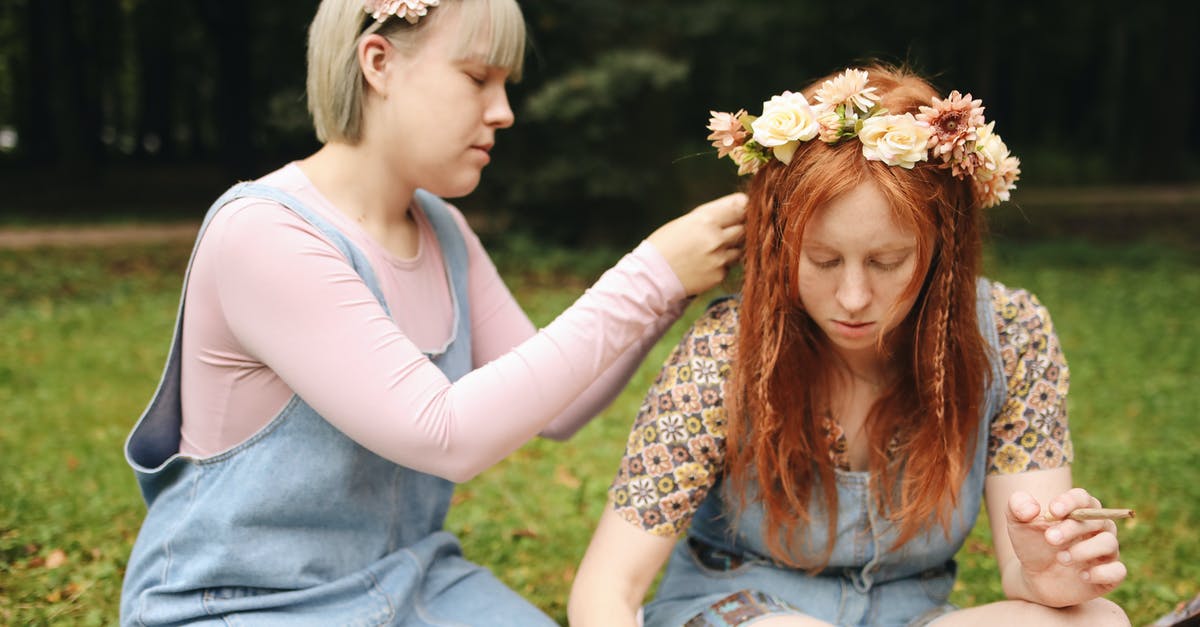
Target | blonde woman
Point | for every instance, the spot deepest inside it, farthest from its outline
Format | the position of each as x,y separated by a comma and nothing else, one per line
346,351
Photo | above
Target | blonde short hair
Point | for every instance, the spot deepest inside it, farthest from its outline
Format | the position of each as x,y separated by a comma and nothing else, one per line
335,81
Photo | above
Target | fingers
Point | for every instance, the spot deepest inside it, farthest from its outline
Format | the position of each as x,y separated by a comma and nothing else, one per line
1072,499
1102,547
1023,508
734,235
728,210
1108,574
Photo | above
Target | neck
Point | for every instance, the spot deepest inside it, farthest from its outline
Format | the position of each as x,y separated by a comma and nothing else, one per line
367,190
361,185
866,367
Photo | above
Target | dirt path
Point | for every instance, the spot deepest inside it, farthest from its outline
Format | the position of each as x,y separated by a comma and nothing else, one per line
22,238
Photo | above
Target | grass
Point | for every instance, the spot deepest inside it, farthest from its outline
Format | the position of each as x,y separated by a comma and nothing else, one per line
83,333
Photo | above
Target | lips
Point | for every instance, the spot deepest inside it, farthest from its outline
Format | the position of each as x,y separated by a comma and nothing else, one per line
854,329
483,150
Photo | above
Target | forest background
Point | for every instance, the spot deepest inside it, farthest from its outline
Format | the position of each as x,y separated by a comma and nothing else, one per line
145,108
118,113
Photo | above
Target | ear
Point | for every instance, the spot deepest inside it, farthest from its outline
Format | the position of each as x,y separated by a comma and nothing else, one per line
374,54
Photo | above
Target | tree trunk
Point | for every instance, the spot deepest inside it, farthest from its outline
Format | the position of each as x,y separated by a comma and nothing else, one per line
227,22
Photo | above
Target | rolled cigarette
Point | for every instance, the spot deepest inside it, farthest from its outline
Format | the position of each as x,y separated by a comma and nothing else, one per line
1095,513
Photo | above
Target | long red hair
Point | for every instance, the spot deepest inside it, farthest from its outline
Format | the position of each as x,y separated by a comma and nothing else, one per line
777,451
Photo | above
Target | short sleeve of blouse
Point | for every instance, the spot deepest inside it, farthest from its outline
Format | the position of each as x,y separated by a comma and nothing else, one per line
677,444
1030,432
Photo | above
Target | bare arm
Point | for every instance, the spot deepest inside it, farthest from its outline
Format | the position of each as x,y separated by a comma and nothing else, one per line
1056,563
617,570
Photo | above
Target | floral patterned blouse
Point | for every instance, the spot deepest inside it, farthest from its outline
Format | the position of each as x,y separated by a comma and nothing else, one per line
677,444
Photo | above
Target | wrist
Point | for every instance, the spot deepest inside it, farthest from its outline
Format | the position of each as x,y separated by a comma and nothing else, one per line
1015,584
661,269
1019,586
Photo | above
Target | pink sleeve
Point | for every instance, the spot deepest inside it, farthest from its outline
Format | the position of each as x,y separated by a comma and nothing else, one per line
498,324
293,303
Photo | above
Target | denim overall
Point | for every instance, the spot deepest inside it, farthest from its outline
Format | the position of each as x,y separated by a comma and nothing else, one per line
300,525
866,582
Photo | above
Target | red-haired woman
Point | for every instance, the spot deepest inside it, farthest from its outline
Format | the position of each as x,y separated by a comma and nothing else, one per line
824,441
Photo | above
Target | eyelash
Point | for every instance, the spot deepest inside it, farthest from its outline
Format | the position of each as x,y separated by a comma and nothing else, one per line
833,263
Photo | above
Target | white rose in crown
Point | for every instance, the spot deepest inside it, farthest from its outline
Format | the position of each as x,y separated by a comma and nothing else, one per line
993,150
895,139
786,120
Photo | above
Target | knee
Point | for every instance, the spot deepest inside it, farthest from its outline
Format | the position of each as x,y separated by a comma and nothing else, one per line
1099,613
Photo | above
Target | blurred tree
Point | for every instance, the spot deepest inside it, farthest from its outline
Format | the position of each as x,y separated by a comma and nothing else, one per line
611,114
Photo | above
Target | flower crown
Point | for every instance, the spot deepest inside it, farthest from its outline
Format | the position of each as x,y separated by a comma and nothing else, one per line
952,131
411,10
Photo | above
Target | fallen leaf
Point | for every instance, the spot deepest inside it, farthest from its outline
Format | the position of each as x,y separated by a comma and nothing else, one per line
564,477
57,558
524,533
72,462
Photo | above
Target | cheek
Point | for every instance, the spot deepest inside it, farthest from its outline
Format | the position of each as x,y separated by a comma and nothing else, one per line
897,301
812,287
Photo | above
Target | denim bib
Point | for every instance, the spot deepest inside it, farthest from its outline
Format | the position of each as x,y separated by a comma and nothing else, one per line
300,525
866,581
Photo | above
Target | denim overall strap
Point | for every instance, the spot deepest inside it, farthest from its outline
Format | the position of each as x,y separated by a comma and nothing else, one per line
301,525
158,438
867,580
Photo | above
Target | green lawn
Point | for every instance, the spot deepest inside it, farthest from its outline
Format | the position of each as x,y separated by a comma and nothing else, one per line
83,333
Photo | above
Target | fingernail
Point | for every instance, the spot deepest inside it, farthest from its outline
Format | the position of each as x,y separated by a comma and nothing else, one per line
1085,575
1064,557
1054,536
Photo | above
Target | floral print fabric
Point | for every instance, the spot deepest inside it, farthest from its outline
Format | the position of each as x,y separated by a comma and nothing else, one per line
677,444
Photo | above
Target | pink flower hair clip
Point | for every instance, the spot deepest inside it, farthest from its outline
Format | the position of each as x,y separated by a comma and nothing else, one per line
410,10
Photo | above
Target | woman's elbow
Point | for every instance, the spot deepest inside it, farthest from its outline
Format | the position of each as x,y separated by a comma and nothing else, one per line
458,468
559,433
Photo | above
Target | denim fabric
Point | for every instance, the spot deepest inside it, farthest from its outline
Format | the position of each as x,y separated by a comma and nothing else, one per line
866,582
300,525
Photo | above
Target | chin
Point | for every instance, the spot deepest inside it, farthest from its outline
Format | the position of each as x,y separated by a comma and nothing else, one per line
455,189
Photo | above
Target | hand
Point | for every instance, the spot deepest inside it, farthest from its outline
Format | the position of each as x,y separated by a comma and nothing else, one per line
1063,562
702,244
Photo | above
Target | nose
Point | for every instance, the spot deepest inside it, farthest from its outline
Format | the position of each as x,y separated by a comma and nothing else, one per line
853,290
498,113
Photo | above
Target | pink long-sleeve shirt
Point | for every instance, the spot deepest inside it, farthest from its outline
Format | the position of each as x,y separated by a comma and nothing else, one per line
273,309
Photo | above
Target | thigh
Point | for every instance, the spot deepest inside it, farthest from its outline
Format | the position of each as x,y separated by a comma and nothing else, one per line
478,598
752,607
1094,613
791,621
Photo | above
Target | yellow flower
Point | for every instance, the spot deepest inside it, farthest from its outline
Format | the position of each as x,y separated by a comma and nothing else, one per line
690,475
1011,459
714,421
